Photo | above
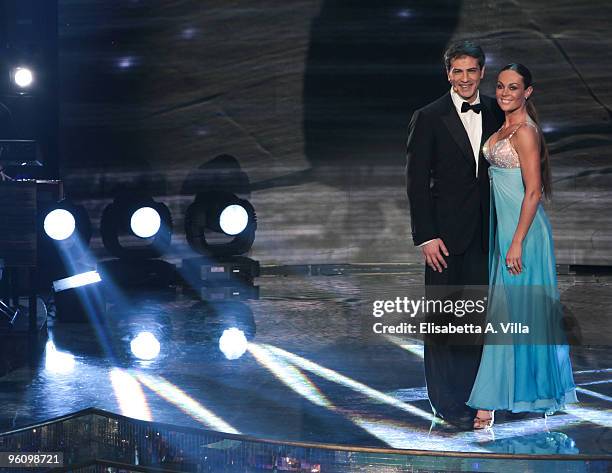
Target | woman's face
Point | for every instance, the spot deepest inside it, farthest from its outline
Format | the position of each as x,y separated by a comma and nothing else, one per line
511,93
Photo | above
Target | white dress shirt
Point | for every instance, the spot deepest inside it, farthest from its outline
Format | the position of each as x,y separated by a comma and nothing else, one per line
472,122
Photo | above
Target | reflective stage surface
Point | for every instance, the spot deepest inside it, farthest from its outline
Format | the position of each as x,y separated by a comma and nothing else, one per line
297,367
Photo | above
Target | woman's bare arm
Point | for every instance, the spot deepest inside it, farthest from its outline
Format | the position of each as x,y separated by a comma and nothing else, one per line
526,141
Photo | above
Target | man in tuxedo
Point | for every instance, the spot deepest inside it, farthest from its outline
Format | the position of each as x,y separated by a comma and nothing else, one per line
448,190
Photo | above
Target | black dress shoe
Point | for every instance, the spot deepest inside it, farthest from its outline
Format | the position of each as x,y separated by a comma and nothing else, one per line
461,421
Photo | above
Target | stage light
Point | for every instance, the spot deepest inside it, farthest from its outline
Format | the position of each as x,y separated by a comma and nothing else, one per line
136,215
233,219
220,225
23,77
233,343
64,223
145,222
63,234
145,346
59,224
216,215
136,228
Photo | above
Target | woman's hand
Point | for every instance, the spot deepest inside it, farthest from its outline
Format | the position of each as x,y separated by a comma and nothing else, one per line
514,265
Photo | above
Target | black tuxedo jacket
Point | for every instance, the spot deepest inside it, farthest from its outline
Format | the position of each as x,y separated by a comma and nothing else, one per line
447,200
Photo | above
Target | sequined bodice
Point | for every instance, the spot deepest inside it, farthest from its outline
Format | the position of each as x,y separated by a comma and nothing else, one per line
503,154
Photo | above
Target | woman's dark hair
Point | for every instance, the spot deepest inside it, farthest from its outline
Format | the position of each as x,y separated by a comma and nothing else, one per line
522,71
463,48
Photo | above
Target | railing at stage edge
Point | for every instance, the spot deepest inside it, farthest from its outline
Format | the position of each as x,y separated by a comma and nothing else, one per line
93,440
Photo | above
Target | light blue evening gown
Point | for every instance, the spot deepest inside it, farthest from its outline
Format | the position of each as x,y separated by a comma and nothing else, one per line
521,373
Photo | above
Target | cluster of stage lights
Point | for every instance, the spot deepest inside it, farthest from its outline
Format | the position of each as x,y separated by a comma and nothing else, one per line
65,225
146,220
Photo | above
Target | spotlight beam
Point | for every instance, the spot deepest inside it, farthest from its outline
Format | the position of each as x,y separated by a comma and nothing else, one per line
130,396
594,416
591,383
290,376
391,432
338,378
185,403
588,392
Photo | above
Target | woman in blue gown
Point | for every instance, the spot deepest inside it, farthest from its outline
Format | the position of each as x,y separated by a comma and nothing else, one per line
521,373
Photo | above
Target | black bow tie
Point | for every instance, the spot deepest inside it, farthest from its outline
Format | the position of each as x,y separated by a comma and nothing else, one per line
465,106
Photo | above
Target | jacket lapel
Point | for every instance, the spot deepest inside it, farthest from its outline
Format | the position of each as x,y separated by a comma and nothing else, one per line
455,127
489,125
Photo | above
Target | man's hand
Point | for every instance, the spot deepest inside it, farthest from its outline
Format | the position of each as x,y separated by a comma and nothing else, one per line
432,252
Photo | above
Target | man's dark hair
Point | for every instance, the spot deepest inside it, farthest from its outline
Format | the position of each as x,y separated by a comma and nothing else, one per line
464,48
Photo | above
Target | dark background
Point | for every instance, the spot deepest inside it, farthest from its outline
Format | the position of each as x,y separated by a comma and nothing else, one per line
313,98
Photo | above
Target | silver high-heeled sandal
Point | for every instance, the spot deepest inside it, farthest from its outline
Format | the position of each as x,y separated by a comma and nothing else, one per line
481,423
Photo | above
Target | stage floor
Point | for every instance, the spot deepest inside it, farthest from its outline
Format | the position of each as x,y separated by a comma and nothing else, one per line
308,373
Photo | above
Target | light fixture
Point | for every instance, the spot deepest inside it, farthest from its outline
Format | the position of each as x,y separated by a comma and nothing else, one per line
233,219
216,215
59,224
134,226
64,223
23,77
220,226
145,222
63,234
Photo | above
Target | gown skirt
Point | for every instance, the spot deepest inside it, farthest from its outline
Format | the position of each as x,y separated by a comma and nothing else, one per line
521,372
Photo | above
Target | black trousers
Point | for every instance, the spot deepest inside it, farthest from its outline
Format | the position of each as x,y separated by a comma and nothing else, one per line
450,370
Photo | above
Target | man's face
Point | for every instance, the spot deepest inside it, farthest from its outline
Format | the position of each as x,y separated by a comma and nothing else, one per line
465,75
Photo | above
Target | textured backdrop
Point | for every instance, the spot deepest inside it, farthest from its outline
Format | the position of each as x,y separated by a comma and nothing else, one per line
313,98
